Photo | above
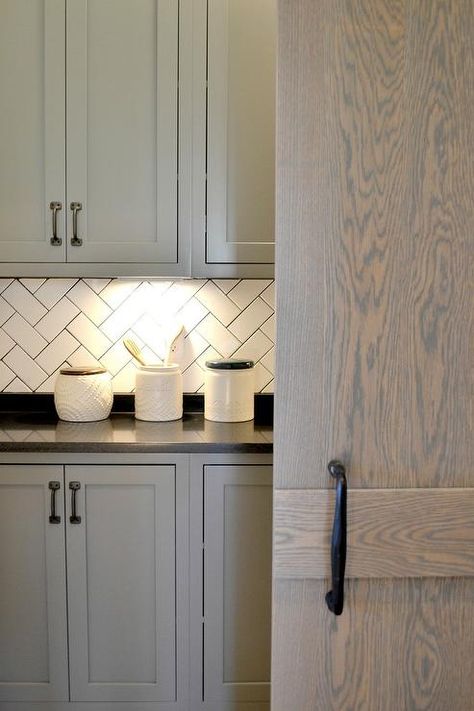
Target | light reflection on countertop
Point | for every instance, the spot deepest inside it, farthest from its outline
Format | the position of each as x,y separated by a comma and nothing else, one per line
39,432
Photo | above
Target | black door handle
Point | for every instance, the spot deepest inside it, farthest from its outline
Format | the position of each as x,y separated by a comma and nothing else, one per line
74,486
54,487
335,597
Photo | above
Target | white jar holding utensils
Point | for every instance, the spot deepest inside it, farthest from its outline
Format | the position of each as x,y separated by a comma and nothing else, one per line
159,393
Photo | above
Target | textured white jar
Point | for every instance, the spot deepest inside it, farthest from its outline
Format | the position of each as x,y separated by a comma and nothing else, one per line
158,393
83,394
229,391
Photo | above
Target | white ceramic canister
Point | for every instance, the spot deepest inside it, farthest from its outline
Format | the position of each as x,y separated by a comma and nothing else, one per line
158,393
229,390
83,394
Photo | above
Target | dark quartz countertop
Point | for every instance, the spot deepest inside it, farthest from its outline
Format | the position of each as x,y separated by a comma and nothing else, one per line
43,432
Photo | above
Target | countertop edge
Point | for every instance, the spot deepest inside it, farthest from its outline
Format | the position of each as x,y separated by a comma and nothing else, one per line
138,448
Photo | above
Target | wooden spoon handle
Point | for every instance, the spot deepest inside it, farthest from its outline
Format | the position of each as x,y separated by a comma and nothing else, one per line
134,350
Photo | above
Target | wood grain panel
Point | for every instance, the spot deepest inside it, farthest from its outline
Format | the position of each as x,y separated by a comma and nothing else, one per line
375,224
400,645
391,533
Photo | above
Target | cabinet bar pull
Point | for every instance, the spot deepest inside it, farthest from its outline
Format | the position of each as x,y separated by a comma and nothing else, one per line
75,240
335,597
74,486
55,207
53,487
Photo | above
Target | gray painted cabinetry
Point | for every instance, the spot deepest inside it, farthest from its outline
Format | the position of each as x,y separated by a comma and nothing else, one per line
152,589
33,627
110,165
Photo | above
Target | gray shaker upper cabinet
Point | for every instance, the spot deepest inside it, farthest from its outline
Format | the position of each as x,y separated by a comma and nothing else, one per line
122,133
32,130
234,137
128,127
90,121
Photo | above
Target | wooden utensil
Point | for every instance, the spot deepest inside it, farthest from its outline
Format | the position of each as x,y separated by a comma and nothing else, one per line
172,345
134,350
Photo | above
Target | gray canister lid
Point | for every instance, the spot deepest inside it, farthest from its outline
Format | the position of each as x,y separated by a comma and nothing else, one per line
229,364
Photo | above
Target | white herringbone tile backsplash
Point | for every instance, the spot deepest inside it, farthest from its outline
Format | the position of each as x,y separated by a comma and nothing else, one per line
46,324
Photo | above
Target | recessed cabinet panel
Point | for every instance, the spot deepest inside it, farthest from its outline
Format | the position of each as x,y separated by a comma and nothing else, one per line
33,629
32,128
122,144
241,131
121,584
237,583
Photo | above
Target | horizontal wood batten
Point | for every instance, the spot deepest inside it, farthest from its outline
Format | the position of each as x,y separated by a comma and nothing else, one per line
391,533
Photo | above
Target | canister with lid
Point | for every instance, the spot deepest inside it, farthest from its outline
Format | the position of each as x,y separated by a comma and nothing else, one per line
229,390
159,393
83,394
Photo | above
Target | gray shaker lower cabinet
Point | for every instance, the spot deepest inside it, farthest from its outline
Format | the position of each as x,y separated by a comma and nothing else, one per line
121,564
33,626
158,599
237,570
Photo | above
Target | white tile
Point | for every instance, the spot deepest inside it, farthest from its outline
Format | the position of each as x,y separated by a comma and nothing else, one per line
82,357
89,336
32,284
124,381
24,302
179,294
269,295
268,328
25,367
209,354
152,334
193,346
128,312
4,283
6,343
49,383
57,352
17,386
217,336
53,290
25,335
57,319
262,377
268,360
151,358
193,378
270,387
5,310
225,285
247,290
160,285
6,375
256,347
116,357
118,290
191,314
217,303
97,284
89,303
250,319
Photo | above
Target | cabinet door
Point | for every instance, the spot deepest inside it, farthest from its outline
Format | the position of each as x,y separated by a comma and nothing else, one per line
33,627
122,144
32,129
121,583
237,583
241,131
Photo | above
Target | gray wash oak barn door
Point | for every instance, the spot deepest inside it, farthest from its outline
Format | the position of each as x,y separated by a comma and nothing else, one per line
375,217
